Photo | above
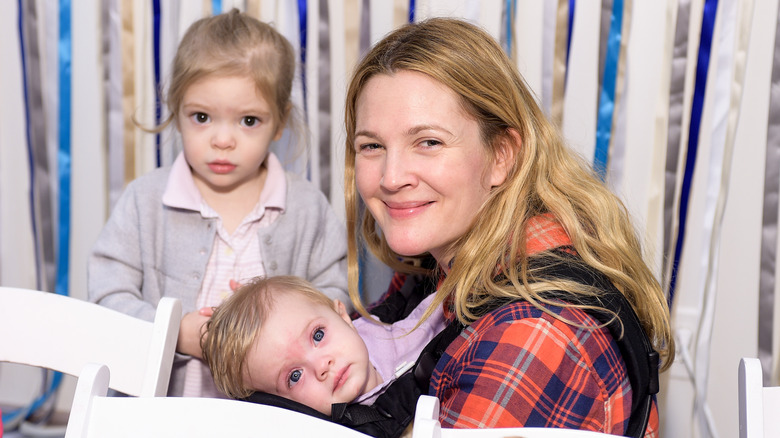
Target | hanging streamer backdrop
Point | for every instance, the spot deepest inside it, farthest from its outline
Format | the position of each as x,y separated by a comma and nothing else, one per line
669,101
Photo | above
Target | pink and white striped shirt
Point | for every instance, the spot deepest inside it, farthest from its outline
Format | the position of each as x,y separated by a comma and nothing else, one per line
233,256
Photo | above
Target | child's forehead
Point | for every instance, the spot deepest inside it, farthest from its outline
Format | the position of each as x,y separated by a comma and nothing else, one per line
297,305
303,297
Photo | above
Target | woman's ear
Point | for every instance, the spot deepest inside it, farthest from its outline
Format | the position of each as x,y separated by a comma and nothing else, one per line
504,158
341,309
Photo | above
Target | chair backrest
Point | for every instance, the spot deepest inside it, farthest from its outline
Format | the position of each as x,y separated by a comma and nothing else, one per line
759,405
63,333
95,415
426,425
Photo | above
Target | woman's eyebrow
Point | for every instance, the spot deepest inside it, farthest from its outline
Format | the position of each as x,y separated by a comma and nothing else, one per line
419,128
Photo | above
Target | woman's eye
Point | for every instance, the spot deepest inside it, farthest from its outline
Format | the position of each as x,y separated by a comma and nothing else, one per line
200,117
249,121
430,143
294,377
318,335
369,146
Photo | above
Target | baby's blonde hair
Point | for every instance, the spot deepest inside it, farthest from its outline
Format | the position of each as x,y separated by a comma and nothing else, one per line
234,327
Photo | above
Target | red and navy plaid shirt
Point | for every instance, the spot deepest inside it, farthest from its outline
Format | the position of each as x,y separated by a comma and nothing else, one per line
520,367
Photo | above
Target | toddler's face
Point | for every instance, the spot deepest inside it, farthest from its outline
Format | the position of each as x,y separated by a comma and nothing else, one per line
226,127
309,353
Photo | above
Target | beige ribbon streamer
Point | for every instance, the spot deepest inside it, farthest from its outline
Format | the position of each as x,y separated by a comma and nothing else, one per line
559,61
128,87
253,8
655,198
351,34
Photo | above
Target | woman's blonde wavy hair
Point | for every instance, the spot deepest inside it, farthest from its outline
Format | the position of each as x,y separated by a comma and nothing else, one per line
545,178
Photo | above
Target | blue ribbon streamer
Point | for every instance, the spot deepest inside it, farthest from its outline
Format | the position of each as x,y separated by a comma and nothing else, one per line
411,11
302,27
216,7
572,8
509,18
157,90
63,156
702,66
607,97
9,417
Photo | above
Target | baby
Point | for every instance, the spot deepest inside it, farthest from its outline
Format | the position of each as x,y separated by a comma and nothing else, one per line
282,336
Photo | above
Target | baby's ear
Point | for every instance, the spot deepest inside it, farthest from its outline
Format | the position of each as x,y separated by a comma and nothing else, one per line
341,309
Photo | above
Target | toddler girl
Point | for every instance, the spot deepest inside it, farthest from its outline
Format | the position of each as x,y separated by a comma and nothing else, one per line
225,210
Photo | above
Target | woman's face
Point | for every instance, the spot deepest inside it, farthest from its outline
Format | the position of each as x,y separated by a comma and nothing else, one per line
420,164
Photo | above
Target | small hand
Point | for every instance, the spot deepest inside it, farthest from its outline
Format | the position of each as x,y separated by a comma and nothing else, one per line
193,325
234,285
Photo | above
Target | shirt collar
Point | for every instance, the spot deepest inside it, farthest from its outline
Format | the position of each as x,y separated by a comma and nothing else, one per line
181,191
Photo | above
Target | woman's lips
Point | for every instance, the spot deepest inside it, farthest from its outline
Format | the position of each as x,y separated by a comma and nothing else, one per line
405,210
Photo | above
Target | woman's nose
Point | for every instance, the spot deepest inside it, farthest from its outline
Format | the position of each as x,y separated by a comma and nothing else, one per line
397,172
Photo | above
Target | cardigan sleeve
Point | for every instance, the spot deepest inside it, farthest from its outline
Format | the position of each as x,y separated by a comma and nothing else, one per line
520,367
115,265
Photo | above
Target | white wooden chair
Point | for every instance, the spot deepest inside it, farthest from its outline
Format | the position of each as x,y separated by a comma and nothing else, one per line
759,405
426,425
62,333
95,415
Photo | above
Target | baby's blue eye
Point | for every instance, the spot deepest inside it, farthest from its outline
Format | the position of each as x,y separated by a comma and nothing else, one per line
295,376
318,335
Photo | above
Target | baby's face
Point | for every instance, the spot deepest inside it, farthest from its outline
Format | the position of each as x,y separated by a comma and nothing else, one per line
309,353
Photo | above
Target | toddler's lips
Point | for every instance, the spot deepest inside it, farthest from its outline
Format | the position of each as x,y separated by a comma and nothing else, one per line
221,167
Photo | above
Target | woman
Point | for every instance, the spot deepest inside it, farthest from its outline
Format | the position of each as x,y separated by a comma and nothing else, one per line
454,160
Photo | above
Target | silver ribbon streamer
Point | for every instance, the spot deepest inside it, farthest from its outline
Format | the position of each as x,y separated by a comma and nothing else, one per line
766,285
112,84
606,18
676,97
41,176
324,99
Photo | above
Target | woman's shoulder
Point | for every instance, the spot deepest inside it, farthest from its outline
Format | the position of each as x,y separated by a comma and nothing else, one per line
519,310
575,364
520,327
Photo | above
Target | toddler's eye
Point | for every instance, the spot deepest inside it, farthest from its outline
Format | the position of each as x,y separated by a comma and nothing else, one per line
318,335
295,376
200,117
249,121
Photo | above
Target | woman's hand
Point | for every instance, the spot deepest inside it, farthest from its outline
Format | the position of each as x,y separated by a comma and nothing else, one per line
193,326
